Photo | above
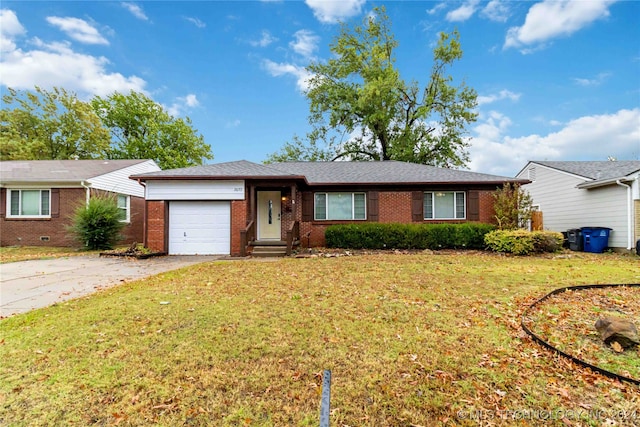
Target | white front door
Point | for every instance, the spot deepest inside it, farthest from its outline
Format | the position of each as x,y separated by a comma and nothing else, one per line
199,228
269,215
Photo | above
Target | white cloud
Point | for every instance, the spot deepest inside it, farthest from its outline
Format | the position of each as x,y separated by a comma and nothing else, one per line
554,18
233,124
305,43
57,64
437,8
616,134
496,10
503,94
464,12
332,11
278,69
195,21
10,27
78,29
182,103
598,80
265,40
135,10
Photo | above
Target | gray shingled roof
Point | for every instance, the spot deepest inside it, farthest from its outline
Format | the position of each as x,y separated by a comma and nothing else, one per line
387,172
228,170
595,170
59,170
333,173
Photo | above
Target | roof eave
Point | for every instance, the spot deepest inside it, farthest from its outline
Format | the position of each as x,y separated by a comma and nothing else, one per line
418,183
214,178
604,182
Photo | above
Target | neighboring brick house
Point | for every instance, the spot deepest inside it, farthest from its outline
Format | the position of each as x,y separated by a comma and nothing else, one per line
39,197
229,208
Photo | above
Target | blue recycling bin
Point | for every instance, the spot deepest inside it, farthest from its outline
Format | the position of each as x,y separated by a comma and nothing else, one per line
595,239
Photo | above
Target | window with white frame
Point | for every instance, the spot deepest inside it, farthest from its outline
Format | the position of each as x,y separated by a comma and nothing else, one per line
124,204
444,205
29,203
340,206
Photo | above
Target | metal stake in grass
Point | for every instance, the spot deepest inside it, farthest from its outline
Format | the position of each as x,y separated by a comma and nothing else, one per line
326,398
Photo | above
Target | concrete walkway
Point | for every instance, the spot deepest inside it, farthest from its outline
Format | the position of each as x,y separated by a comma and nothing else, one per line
27,285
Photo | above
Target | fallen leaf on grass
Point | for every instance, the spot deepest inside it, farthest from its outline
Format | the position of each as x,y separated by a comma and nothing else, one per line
615,345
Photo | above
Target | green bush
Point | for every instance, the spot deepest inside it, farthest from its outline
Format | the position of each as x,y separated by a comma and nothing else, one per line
97,225
523,242
374,235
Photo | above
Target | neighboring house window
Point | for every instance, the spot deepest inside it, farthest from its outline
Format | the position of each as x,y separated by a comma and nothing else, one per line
30,203
124,204
339,206
444,205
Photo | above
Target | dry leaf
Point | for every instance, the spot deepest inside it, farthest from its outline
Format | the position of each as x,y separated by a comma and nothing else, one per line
615,345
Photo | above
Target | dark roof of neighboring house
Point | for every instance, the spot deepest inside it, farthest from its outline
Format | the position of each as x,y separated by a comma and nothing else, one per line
595,170
332,173
59,170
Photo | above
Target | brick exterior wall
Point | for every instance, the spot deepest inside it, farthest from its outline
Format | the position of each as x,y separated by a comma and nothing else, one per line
28,232
239,211
487,213
394,206
156,237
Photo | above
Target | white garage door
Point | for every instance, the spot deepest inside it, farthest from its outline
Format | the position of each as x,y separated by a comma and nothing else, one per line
202,228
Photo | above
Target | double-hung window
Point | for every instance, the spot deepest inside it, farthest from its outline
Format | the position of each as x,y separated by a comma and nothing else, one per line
444,205
340,206
29,203
124,205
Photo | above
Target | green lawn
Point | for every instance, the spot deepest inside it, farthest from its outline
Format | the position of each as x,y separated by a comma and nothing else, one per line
411,340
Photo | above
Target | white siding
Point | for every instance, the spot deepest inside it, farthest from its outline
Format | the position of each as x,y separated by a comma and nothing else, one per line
119,182
564,206
195,190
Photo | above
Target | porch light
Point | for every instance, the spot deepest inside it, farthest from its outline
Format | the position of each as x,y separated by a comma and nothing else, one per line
283,198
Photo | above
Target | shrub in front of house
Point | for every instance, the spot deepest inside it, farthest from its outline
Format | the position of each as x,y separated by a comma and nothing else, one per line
97,225
375,235
523,242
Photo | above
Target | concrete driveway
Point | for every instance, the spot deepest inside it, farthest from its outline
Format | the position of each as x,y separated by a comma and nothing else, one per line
38,283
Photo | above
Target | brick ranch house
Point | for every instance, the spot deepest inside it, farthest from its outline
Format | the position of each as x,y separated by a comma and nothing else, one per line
39,197
236,207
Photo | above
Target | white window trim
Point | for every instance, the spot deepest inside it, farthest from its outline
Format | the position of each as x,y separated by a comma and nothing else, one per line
127,209
19,190
353,206
433,204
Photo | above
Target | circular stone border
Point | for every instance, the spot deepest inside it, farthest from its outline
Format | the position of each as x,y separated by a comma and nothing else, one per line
562,353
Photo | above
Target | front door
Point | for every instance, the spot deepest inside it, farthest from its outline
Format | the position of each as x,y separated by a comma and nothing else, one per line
268,215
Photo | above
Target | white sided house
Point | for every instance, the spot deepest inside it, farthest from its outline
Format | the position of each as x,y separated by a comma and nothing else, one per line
575,194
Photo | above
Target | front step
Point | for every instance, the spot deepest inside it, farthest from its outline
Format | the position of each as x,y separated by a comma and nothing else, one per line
269,251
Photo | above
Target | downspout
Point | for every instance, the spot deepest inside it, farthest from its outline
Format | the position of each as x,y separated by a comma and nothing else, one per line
87,191
144,214
629,215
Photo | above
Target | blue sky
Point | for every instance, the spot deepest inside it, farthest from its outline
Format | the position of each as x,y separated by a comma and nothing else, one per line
557,80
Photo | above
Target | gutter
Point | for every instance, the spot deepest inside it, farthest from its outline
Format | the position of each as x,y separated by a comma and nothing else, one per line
629,214
87,192
144,213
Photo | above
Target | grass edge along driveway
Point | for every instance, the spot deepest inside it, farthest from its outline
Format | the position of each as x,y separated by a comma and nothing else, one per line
423,339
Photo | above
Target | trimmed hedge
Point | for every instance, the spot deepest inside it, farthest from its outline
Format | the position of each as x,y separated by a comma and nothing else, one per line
375,235
523,242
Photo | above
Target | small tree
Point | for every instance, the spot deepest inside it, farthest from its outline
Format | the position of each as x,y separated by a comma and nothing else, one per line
97,225
513,207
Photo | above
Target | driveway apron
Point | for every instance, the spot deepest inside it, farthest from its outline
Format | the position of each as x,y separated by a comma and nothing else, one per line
33,284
